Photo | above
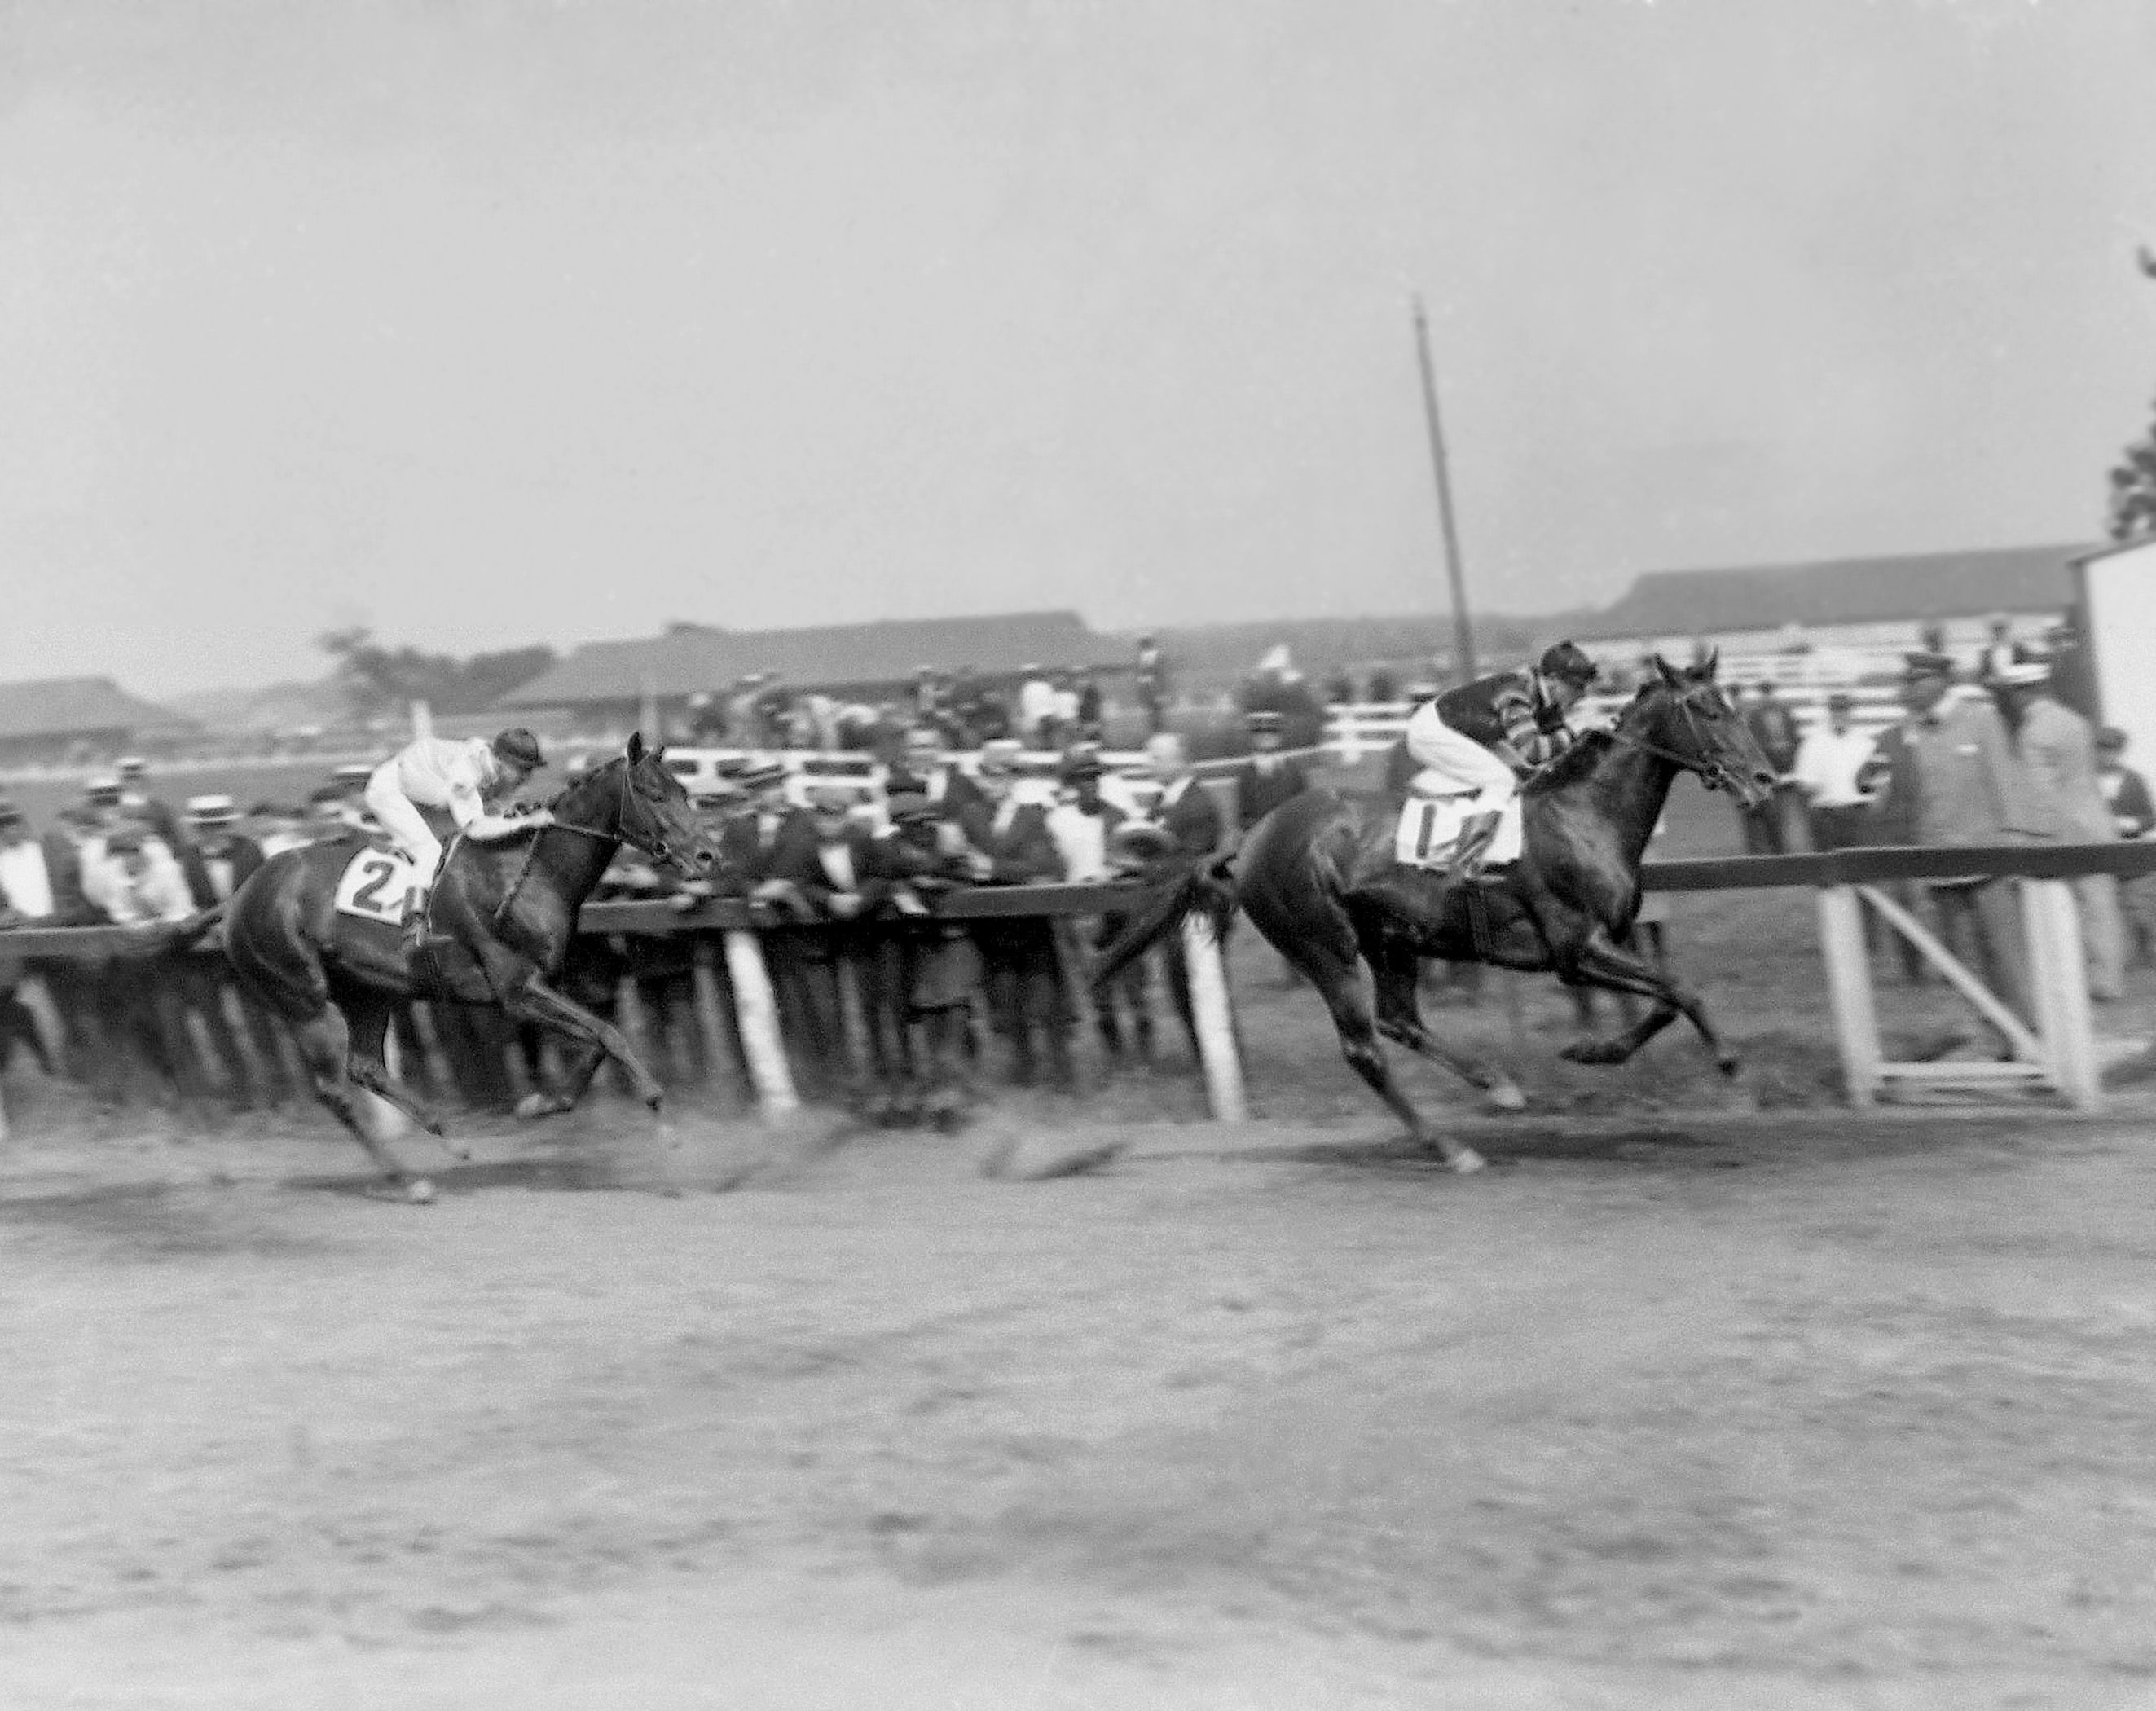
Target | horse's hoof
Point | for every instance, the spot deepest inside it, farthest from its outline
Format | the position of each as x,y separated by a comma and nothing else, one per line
532,1106
1467,1161
419,1191
1507,1098
1589,1051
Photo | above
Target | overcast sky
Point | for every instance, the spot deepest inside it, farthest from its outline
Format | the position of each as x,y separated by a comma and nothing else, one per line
488,323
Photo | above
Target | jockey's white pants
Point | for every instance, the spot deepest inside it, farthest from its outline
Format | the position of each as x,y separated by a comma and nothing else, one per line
407,826
1454,764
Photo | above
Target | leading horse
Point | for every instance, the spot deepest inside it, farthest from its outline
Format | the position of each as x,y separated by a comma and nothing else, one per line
1322,885
504,914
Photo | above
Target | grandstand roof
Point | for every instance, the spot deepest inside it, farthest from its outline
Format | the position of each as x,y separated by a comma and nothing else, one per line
689,657
72,707
1919,586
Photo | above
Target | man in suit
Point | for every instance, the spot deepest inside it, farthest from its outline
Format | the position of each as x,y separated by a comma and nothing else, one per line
831,876
934,964
1084,825
925,770
767,838
1266,779
2057,748
1774,729
1190,827
1008,842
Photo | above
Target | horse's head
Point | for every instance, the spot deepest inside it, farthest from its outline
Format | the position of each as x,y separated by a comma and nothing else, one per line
1691,720
645,805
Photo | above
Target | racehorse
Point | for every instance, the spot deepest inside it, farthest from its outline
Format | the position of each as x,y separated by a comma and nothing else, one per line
504,914
1325,889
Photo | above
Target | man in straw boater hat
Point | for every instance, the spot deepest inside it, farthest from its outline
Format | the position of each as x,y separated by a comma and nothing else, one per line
469,780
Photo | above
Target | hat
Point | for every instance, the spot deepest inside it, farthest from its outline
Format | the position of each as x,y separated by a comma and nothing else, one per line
1262,719
759,775
1924,663
2025,674
519,748
130,766
1082,760
125,841
104,785
266,810
999,755
212,810
910,808
1568,661
2111,737
1842,698
828,794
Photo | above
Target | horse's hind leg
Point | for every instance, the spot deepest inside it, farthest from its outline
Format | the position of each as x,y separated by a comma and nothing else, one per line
370,1018
325,1042
1329,956
1399,1019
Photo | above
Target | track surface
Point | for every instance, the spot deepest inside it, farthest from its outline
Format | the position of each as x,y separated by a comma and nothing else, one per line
1706,1413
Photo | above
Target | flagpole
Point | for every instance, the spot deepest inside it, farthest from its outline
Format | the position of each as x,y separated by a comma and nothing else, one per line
1463,627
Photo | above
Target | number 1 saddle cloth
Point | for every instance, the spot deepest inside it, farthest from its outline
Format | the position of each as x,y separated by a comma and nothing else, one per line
1429,828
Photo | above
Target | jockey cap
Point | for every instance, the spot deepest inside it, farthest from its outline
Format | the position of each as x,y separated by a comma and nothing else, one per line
518,747
1568,662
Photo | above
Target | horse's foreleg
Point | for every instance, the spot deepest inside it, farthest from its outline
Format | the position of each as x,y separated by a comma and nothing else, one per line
1599,962
535,1001
1399,1020
1349,995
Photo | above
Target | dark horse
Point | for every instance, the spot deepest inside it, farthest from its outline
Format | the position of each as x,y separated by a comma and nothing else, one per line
504,912
1323,887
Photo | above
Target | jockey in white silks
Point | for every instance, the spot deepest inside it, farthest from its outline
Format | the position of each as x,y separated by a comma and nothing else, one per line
466,779
1479,740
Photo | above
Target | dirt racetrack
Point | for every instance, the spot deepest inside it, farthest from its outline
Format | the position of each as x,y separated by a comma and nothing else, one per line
1697,1413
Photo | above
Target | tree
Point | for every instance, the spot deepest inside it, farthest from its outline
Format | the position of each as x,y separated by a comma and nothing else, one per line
382,682
2133,490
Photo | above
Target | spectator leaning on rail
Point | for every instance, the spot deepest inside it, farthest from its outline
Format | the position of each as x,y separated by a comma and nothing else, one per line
1957,781
1023,978
2057,748
923,767
937,969
1831,763
465,778
1084,825
2126,793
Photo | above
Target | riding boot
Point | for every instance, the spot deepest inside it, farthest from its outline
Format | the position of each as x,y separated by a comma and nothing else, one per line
417,930
1477,833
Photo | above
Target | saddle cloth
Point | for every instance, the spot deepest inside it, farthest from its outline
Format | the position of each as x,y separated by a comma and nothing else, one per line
1429,828
377,883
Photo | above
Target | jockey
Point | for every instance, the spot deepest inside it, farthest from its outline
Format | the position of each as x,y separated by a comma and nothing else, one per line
1481,738
464,778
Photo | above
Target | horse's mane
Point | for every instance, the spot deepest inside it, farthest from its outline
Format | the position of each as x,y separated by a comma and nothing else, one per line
582,779
1585,754
1575,763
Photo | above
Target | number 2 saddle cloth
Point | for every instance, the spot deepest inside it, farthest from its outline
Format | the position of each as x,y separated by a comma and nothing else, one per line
1429,828
377,883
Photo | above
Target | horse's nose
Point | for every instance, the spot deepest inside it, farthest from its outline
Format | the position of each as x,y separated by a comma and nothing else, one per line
704,860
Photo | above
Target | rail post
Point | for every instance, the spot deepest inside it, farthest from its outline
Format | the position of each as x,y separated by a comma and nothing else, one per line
1849,991
2060,980
1216,1026
755,1007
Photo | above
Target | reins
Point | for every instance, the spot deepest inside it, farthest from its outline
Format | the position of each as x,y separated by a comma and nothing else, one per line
619,835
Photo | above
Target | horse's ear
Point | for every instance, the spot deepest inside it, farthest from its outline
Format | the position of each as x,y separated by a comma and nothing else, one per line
1713,660
636,746
1667,671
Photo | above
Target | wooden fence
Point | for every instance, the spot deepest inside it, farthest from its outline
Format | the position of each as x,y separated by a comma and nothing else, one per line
2054,1049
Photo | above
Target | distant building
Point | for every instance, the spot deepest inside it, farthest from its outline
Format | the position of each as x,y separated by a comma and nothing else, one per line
604,682
57,720
1866,607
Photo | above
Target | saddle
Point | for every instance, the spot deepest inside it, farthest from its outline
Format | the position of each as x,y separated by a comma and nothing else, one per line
1430,831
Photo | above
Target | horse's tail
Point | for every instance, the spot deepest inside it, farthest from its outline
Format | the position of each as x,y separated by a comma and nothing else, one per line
1206,887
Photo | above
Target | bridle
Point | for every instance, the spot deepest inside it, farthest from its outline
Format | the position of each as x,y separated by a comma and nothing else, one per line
658,848
1702,761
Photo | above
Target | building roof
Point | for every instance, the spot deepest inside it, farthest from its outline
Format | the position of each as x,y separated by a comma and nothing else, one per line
689,657
1920,586
75,706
